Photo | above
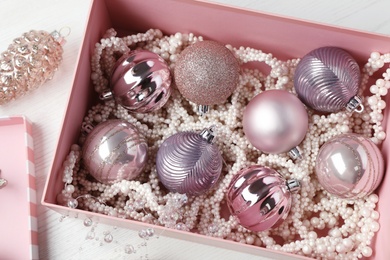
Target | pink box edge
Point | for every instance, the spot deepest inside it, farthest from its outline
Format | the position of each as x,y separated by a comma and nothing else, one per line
32,202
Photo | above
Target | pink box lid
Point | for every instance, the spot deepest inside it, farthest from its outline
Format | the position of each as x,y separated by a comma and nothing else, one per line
18,215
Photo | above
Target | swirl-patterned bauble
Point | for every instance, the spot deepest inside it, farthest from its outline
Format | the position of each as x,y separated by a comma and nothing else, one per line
140,82
327,79
260,198
189,163
113,151
349,166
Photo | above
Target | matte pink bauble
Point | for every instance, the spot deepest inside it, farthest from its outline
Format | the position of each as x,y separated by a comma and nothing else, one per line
349,166
140,82
207,73
260,198
113,151
275,121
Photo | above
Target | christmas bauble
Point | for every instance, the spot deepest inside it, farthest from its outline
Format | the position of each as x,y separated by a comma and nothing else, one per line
260,198
113,151
327,79
275,121
206,73
188,162
140,82
349,166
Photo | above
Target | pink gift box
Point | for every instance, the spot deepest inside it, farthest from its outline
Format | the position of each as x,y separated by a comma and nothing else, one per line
285,38
18,215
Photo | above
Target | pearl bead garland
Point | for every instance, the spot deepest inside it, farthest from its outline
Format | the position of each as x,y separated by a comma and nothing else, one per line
319,225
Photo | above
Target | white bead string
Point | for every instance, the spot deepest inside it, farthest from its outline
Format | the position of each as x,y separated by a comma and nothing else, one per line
319,225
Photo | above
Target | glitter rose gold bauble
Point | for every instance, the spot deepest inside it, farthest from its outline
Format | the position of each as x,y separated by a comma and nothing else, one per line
207,73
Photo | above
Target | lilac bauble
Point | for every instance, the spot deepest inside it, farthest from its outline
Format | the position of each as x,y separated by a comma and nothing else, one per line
140,82
349,166
275,121
188,162
207,73
260,198
327,79
113,151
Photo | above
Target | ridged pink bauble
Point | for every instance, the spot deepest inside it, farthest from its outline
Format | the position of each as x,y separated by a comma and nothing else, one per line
260,198
140,82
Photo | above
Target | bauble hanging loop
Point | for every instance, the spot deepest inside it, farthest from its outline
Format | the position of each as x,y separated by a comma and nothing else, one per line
260,198
29,62
189,163
140,82
327,79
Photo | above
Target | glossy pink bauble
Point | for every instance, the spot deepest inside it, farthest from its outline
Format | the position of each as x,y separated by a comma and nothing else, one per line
113,151
260,198
275,121
140,82
349,166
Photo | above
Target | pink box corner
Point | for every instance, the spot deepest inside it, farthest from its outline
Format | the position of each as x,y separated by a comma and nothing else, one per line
17,166
281,36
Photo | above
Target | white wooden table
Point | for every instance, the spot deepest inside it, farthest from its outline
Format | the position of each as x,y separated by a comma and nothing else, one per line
66,238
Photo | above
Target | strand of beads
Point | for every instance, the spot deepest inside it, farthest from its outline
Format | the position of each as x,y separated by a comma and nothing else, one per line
380,89
281,71
70,166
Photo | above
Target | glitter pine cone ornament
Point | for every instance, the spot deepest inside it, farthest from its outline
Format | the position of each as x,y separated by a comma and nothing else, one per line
349,166
189,163
114,150
260,198
207,73
140,82
327,79
29,62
